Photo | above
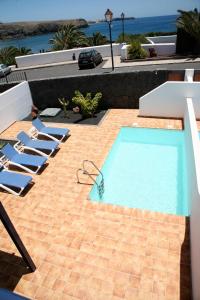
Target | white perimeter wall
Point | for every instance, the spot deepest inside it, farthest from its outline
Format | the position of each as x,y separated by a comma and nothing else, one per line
192,144
182,100
163,45
15,104
162,49
168,100
62,56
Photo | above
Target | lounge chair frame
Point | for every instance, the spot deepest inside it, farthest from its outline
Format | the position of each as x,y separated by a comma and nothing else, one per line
35,133
7,189
6,163
20,147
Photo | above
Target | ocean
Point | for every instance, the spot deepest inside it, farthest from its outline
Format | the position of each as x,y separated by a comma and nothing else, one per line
138,25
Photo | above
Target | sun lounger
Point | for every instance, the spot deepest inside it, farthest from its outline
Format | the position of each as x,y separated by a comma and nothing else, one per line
8,295
38,146
13,182
11,157
54,133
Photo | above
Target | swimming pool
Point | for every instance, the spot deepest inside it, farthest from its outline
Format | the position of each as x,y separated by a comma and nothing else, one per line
146,169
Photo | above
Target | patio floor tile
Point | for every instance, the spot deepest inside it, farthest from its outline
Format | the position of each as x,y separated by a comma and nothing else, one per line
86,250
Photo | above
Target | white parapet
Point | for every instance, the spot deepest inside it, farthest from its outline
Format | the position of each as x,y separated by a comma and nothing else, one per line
15,105
182,100
62,56
192,145
168,100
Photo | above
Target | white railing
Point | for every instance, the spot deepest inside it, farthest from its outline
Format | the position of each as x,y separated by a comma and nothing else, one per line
15,105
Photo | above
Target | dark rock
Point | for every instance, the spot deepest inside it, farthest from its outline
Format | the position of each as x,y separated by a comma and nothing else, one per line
22,29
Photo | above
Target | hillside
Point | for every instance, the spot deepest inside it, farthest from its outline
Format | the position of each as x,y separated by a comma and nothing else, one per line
23,29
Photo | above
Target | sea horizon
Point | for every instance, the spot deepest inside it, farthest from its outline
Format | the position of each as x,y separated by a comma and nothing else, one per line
141,25
89,20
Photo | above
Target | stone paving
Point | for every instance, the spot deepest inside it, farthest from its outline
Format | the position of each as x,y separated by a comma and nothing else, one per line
86,250
119,64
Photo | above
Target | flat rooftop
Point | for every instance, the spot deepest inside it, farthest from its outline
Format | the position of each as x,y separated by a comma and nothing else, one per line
87,250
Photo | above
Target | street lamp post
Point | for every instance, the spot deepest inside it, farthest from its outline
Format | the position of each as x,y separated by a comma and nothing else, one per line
108,17
122,17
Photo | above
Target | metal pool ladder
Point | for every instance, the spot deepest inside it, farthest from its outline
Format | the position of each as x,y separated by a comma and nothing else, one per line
100,185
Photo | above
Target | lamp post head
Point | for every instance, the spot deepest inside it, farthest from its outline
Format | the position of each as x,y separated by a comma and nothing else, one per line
122,16
108,15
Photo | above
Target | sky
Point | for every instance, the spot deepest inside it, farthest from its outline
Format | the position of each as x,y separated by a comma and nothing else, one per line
30,10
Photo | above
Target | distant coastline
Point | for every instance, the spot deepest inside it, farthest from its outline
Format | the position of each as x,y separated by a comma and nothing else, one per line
18,30
114,19
36,42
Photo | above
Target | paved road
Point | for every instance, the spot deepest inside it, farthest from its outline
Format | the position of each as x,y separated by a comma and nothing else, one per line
73,70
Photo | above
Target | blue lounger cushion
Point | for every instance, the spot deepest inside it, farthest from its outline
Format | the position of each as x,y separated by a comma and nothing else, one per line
37,144
8,295
42,129
14,179
56,131
29,160
22,158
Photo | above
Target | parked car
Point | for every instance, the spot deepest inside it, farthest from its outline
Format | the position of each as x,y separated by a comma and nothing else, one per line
4,70
89,58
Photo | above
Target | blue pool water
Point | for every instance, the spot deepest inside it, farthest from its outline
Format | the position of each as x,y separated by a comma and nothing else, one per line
146,169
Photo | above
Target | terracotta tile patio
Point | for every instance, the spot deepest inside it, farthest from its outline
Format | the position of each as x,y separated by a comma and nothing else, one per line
86,250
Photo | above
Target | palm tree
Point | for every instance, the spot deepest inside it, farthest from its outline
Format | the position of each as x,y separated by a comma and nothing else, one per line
189,21
7,55
68,37
23,51
97,39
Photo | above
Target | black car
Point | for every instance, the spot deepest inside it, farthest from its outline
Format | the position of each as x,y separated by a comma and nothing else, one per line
90,58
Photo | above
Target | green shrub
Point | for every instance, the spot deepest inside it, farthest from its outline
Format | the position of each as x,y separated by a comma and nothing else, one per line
129,38
87,104
135,51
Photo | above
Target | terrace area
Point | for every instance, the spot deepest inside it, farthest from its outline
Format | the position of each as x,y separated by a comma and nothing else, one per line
89,250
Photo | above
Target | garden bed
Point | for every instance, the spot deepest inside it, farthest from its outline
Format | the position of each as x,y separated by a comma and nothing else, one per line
158,58
150,59
72,118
